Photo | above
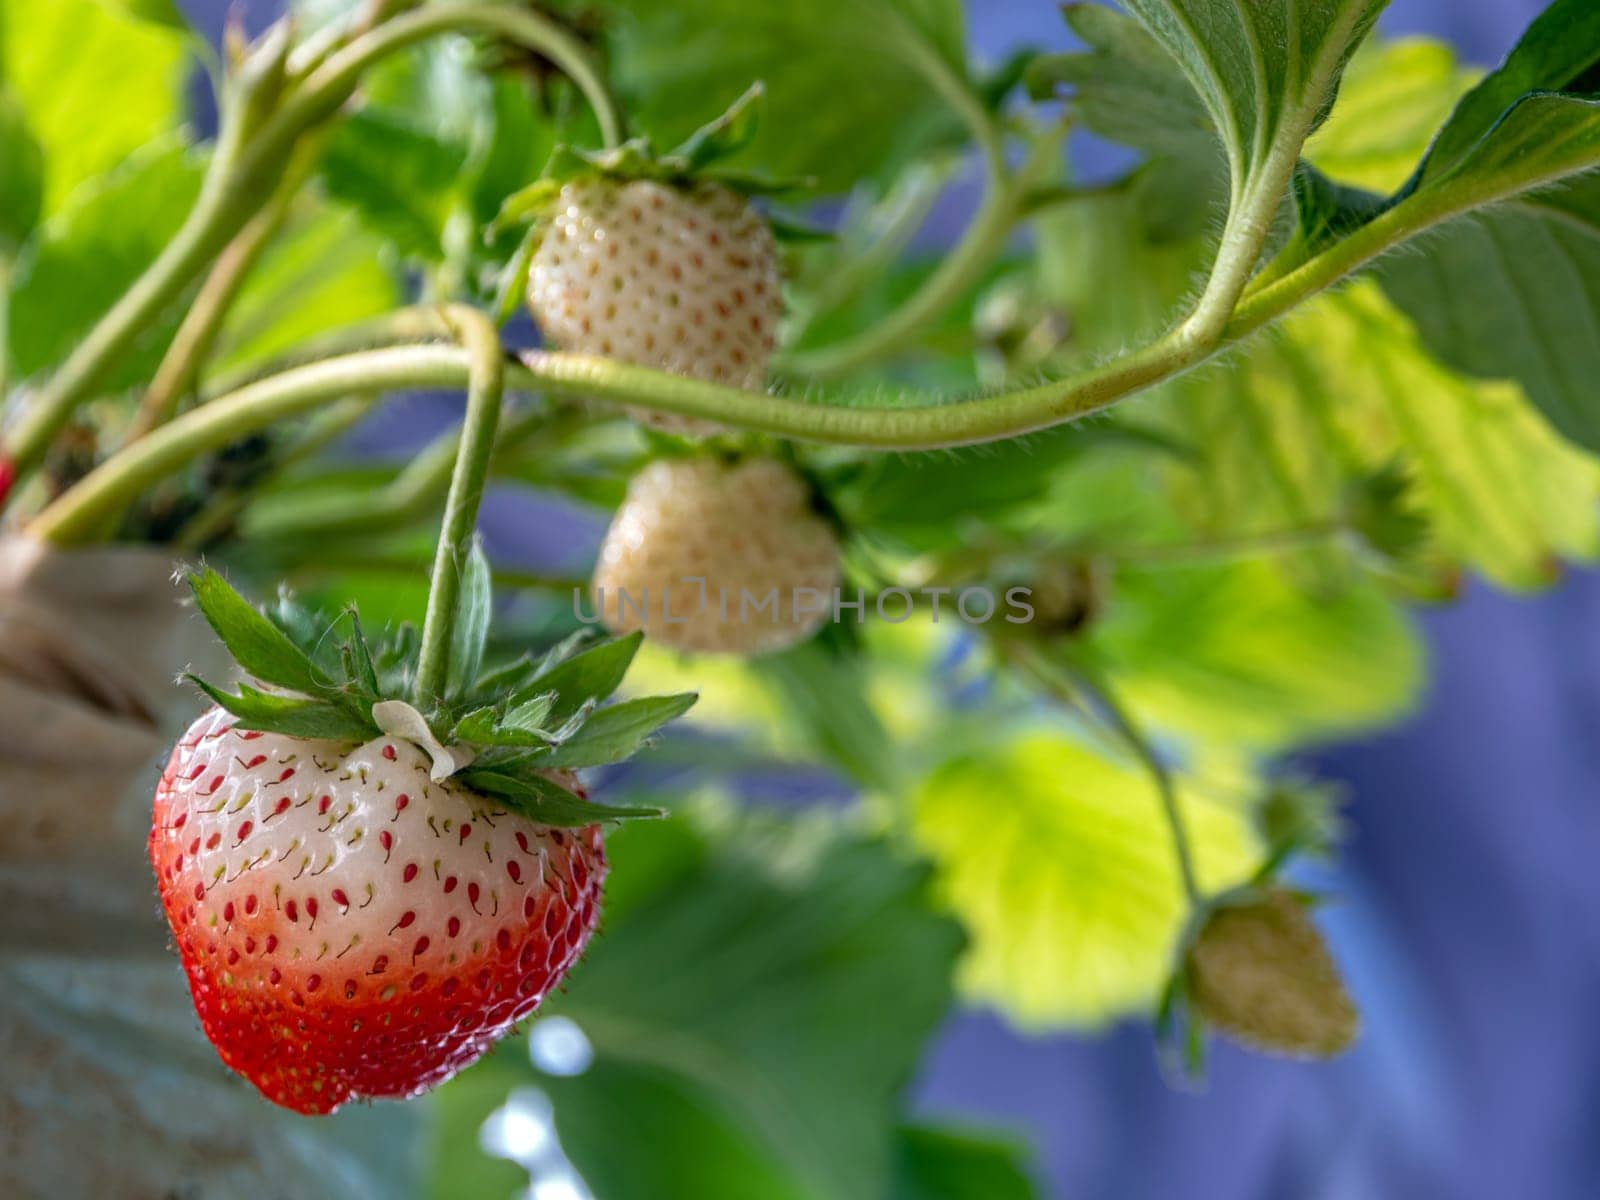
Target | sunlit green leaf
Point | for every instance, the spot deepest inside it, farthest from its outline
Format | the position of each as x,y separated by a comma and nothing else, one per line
161,12
94,84
1057,861
21,176
322,272
1345,385
1395,96
1509,293
90,252
1240,655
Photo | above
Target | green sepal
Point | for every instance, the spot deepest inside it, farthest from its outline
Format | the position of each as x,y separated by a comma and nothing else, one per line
295,716
539,799
256,644
692,162
594,675
724,137
525,719
470,631
1380,511
617,733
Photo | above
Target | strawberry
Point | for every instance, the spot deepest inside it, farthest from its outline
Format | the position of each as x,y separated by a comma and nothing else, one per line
8,476
680,278
365,897
350,928
718,558
1259,971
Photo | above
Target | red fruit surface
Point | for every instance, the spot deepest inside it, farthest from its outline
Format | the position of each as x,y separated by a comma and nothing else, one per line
350,928
8,476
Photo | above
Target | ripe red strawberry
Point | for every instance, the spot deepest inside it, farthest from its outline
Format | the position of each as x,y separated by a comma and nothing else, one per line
366,898
683,279
349,927
718,558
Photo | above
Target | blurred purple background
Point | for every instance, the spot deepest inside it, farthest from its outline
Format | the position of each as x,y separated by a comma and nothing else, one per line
1467,920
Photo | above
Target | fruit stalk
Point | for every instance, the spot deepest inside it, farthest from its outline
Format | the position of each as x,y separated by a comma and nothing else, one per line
247,163
485,390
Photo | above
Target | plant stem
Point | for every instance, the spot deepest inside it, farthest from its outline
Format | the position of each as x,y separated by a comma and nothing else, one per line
222,511
191,346
485,389
1126,728
116,483
246,165
412,495
985,237
906,422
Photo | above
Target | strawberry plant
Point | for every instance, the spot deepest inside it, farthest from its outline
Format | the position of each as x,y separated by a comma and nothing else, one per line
499,377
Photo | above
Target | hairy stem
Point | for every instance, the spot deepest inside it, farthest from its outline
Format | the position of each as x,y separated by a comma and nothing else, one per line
908,422
250,156
485,389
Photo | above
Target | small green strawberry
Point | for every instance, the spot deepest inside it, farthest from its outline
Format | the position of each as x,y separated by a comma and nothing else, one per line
1259,971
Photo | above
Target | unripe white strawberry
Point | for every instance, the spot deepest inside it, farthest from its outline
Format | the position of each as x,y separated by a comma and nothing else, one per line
1261,973
685,281
769,561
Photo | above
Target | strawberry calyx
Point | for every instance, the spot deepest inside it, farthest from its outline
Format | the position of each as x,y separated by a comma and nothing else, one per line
695,161
503,732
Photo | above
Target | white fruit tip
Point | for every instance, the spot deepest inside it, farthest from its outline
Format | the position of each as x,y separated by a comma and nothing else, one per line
398,719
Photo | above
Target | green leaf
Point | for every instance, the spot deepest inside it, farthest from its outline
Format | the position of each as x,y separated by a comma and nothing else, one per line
1346,387
1518,111
682,61
818,974
95,84
1503,292
1124,86
469,634
944,1164
617,733
1265,73
1242,656
1395,96
588,677
1057,861
822,692
322,271
402,179
1509,294
21,179
319,720
160,12
87,255
256,644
